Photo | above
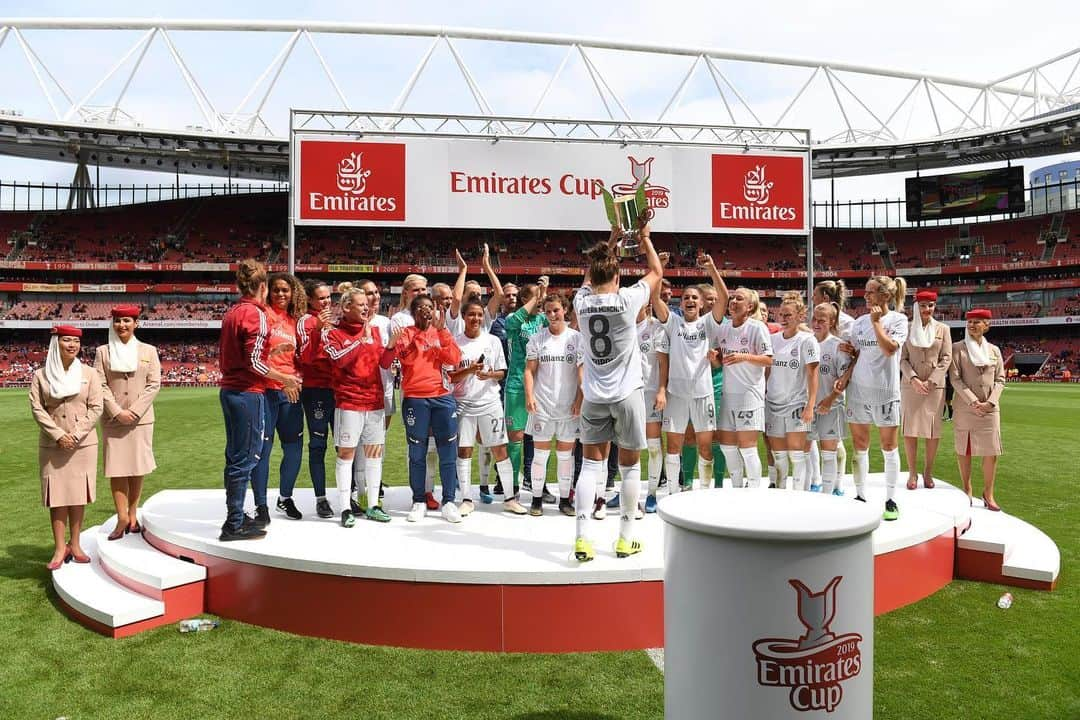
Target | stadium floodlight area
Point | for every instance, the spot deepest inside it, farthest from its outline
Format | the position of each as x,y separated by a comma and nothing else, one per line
866,119
490,172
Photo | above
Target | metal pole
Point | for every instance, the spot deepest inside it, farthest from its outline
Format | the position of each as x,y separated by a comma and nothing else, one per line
292,194
810,224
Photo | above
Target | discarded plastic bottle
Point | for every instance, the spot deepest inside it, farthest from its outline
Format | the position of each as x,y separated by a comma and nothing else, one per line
197,625
1005,601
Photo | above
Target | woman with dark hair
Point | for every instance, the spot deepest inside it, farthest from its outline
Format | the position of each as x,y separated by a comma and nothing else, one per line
132,374
978,373
613,409
427,351
317,397
284,413
924,365
66,400
244,356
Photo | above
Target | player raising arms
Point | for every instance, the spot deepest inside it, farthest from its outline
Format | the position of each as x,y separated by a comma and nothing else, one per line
834,370
355,348
553,358
613,409
746,351
792,387
874,395
476,389
465,290
653,343
687,384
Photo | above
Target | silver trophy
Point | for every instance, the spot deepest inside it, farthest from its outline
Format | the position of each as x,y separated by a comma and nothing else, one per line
629,213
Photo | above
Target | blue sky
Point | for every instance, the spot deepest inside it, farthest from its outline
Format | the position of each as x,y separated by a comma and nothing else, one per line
963,40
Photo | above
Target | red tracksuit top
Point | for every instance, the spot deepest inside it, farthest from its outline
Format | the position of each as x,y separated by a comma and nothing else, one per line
354,361
314,362
282,332
243,347
425,356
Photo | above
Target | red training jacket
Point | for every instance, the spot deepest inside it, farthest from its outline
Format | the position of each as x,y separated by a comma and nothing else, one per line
243,347
425,356
354,360
314,362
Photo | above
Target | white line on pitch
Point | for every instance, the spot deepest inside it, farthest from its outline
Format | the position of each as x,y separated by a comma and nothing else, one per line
657,657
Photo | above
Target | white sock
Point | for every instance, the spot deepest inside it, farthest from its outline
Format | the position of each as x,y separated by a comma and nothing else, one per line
798,469
861,470
772,471
705,471
892,471
539,470
752,462
656,459
506,477
841,462
813,464
780,459
628,498
564,469
593,472
828,472
432,463
734,464
464,478
483,460
673,463
373,473
343,476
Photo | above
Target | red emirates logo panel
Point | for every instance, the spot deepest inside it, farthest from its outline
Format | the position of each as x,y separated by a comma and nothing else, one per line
352,181
758,192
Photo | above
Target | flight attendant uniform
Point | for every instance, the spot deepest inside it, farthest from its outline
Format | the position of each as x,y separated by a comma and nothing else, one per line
975,435
129,449
922,414
68,477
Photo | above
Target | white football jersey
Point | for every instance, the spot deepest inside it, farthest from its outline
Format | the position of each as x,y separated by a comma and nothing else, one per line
456,325
402,319
833,364
475,396
843,323
652,338
558,358
689,372
608,323
744,383
787,386
877,374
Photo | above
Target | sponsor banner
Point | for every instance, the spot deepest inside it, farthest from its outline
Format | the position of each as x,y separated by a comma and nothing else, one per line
1023,322
351,268
104,324
48,287
106,288
524,184
207,267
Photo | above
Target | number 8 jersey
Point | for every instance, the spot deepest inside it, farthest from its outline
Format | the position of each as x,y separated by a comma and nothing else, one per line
608,322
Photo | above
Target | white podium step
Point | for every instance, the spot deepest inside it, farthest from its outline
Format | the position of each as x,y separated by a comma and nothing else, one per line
1027,553
90,591
134,559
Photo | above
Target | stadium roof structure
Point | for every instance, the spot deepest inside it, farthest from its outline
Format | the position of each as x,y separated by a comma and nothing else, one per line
854,112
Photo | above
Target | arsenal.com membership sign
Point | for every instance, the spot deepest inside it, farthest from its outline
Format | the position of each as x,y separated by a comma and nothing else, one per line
530,184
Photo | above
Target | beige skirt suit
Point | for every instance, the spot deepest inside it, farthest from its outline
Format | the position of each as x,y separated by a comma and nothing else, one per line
129,449
922,413
68,477
978,436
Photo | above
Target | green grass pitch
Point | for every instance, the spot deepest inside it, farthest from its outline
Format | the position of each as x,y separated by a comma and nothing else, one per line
953,655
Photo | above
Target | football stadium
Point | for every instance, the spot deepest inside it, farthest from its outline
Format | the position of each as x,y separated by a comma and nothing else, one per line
443,371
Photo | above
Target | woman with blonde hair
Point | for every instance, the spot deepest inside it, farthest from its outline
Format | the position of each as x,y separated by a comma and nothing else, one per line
745,351
411,286
833,370
66,400
132,374
790,390
834,291
874,391
924,365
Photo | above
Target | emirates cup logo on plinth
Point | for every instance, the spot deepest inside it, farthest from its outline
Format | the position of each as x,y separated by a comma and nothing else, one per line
755,188
814,665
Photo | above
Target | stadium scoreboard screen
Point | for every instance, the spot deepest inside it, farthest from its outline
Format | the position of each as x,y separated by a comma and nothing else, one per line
983,192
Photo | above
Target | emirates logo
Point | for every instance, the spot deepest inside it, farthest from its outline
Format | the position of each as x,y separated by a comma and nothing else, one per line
351,175
756,188
814,665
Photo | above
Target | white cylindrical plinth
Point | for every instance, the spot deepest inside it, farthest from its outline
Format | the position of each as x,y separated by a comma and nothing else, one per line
768,605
